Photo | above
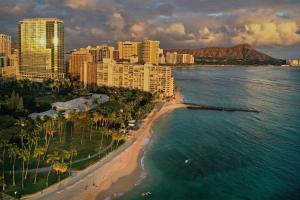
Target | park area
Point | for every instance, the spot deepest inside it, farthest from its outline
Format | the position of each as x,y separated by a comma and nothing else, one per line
36,153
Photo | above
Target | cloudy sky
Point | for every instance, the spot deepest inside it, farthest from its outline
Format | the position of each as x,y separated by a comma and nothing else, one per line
270,25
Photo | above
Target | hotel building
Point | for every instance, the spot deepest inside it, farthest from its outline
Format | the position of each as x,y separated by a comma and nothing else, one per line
41,42
150,52
9,62
171,58
77,60
185,59
154,79
128,50
5,44
89,54
294,62
139,52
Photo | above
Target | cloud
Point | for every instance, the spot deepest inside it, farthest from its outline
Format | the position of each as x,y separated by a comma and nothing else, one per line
116,22
81,4
269,33
208,36
137,30
97,32
175,28
177,23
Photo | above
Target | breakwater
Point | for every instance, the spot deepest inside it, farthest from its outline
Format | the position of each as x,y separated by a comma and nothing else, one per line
218,108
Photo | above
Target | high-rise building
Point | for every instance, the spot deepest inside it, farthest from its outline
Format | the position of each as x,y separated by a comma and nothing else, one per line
294,62
77,61
161,57
150,52
5,45
88,73
171,58
9,63
116,56
101,52
89,54
128,50
154,79
185,59
41,42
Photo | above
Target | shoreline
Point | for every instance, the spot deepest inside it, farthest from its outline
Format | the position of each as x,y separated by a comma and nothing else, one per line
127,183
115,174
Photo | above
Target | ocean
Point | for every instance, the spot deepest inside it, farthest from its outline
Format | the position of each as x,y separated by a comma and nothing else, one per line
201,154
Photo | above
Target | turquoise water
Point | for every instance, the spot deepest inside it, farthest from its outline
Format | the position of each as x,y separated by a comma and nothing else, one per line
232,155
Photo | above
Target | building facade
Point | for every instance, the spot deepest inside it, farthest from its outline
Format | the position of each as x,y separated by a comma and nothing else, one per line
171,58
88,73
96,54
9,58
150,52
77,61
41,42
101,52
185,59
128,50
294,62
154,79
5,44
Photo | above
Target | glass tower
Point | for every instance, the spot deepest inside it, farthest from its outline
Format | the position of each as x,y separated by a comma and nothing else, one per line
41,43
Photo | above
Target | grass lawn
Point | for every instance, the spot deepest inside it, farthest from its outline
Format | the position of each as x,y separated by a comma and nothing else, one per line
69,141
29,186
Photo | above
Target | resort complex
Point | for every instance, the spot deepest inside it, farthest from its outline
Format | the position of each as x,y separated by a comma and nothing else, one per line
63,116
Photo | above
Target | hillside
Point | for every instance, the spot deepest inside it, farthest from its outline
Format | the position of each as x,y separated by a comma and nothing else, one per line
239,54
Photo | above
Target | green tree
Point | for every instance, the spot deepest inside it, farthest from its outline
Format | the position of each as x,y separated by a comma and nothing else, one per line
2,183
38,153
3,146
73,153
51,159
20,105
13,152
24,156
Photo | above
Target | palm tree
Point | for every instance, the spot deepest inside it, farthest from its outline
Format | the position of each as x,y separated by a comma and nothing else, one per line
61,120
60,168
24,156
73,153
32,141
3,145
13,151
2,183
22,123
72,118
51,159
82,119
64,155
50,134
117,137
38,152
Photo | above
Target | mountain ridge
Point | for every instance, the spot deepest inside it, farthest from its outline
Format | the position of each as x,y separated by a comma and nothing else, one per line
241,52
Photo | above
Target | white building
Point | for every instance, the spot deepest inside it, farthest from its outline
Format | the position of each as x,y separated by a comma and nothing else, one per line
81,104
294,62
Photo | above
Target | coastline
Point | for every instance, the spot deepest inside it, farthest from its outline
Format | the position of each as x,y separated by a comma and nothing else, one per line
116,174
128,182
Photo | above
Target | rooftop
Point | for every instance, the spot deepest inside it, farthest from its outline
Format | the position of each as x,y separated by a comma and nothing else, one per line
41,19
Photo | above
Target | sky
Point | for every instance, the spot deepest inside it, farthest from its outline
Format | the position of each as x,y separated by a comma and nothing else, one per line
272,26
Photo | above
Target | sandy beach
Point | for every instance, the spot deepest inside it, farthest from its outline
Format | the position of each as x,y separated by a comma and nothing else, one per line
117,175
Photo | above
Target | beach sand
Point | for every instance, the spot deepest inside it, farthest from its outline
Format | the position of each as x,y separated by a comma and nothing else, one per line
122,171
